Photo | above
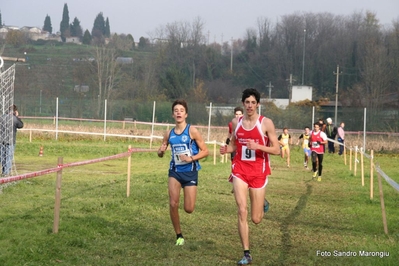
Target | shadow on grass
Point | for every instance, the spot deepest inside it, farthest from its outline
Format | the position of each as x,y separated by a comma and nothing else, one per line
286,237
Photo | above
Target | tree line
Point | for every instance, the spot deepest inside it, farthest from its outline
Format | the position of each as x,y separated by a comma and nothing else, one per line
178,60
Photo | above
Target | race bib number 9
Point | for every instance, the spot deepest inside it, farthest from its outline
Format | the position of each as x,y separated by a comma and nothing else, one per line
247,154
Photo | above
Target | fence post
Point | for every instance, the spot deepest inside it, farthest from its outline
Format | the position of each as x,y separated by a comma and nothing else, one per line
384,218
57,203
129,163
371,174
350,159
355,166
361,165
222,157
345,154
214,152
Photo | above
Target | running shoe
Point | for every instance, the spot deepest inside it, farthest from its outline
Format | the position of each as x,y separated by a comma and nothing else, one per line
245,260
314,174
180,241
319,179
266,206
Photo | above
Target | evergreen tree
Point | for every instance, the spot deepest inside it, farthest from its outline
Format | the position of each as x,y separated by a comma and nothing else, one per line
130,38
1,21
75,28
86,38
64,25
98,30
107,30
47,24
143,42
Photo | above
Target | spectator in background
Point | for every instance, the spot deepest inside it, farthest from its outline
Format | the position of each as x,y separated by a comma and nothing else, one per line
331,132
10,122
341,138
322,125
238,112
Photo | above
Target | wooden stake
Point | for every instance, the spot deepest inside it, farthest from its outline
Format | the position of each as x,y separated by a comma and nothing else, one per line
129,165
350,159
371,174
355,165
214,153
361,165
57,204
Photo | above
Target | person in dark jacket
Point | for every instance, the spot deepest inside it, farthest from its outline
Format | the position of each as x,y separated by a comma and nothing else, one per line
10,122
331,132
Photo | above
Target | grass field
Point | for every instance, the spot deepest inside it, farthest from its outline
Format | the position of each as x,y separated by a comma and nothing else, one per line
309,222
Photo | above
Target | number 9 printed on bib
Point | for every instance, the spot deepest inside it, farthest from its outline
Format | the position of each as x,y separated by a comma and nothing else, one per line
247,154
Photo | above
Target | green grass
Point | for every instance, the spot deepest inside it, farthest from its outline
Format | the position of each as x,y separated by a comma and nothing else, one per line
100,225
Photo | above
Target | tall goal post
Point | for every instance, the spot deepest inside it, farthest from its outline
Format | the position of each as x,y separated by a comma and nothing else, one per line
7,78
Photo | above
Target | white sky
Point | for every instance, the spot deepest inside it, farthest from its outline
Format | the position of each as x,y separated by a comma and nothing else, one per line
224,19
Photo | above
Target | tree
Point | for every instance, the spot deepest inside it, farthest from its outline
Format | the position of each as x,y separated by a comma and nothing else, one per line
64,25
107,29
86,38
174,81
75,29
122,42
107,73
1,21
130,38
16,38
47,24
143,43
98,31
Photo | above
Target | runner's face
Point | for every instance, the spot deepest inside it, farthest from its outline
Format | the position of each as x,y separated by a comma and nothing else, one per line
179,113
316,128
250,105
238,114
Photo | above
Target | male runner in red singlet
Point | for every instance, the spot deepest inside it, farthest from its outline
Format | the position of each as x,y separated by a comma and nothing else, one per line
253,140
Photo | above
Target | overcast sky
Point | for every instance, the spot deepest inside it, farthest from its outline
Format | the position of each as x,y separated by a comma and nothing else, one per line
224,19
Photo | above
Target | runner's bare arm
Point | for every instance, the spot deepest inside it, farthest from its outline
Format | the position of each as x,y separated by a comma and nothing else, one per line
164,145
196,135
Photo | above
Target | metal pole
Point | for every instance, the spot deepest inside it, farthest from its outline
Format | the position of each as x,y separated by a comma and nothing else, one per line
364,129
231,56
336,96
56,119
40,108
153,121
105,119
209,123
303,58
313,108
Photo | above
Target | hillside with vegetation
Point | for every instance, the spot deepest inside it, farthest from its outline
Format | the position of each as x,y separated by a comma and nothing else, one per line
179,62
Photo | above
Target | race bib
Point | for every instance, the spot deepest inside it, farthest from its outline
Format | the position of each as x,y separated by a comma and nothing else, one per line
247,154
315,144
180,149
